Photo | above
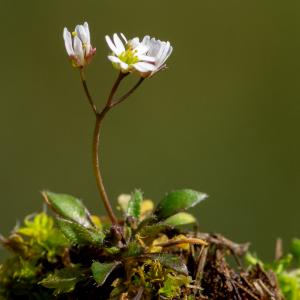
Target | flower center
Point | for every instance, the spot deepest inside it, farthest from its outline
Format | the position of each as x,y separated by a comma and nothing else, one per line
129,56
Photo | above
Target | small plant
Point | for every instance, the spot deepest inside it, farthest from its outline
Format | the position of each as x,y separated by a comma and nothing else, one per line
146,253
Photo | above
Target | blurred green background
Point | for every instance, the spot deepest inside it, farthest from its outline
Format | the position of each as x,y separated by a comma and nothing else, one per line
223,119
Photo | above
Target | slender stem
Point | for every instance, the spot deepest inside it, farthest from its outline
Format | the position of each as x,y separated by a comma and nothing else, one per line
125,96
121,76
96,141
96,137
96,165
86,90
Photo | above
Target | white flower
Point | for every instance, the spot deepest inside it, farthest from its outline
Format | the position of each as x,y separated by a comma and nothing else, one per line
79,49
129,56
160,50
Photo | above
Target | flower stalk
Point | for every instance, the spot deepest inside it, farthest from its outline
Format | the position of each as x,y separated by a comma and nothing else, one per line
87,92
110,103
144,58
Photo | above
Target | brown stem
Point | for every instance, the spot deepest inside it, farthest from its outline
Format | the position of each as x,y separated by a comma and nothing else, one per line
194,241
86,90
114,89
125,96
96,165
96,140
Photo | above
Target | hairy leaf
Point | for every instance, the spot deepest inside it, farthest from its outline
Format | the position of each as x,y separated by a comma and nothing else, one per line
80,235
151,231
134,204
171,261
134,249
102,270
69,208
181,218
178,201
63,280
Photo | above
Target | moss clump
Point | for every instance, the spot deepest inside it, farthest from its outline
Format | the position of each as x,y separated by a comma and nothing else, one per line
147,255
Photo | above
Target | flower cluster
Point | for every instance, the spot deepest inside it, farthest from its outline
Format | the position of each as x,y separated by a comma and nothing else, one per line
145,57
79,49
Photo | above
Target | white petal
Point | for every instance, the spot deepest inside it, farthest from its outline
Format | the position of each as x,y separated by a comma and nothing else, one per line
114,59
163,57
80,30
124,66
141,49
124,38
154,47
78,50
161,50
68,42
111,45
118,43
146,40
167,55
169,52
134,42
144,57
87,32
144,67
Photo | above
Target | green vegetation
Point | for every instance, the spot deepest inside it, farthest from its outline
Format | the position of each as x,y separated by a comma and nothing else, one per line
148,255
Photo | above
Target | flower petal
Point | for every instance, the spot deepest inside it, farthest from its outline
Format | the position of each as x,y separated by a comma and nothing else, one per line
118,43
68,42
154,47
78,50
124,66
123,37
114,59
144,67
163,56
134,42
146,40
80,30
111,45
141,49
87,32
148,58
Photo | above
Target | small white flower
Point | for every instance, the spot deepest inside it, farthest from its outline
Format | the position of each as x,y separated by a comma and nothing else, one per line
129,56
160,50
79,49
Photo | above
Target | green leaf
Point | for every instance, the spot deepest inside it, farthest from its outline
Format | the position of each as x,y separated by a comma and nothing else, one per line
181,218
63,280
290,284
134,204
134,249
170,261
69,208
172,285
80,235
102,270
151,231
295,249
178,201
252,260
282,264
